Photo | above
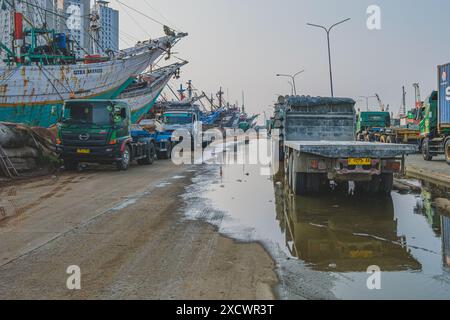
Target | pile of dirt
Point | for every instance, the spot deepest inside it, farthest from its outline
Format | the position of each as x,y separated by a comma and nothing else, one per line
28,148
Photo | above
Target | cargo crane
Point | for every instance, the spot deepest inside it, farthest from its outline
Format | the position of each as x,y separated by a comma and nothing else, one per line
419,102
380,103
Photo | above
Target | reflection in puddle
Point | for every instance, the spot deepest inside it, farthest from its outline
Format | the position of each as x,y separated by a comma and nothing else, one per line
333,238
332,234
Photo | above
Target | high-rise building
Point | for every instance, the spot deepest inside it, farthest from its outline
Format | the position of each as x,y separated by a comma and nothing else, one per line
109,27
77,23
34,14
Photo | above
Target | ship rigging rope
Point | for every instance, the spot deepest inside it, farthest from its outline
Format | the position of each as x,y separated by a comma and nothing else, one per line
134,20
8,76
49,80
143,14
159,13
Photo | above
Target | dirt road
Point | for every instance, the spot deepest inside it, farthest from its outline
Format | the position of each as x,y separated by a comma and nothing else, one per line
126,233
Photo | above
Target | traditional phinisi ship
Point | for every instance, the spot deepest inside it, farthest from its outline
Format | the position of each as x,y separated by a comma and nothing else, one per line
142,94
41,71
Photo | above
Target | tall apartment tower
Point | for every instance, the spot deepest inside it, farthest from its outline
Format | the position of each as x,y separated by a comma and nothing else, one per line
34,14
77,23
109,27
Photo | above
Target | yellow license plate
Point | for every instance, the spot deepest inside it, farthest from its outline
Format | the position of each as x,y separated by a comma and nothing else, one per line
83,151
359,162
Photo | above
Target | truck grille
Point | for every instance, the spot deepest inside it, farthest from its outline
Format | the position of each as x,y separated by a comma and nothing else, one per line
84,139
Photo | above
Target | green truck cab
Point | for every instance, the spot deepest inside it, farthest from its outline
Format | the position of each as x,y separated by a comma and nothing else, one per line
435,139
435,119
371,125
100,131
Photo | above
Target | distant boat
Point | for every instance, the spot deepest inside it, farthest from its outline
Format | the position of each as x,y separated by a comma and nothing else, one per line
38,78
141,96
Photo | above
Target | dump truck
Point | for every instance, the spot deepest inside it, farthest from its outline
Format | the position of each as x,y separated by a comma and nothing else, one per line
372,125
435,119
320,149
377,126
100,131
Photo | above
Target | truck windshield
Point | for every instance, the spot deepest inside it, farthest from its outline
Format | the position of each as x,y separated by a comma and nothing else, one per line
177,119
98,113
378,118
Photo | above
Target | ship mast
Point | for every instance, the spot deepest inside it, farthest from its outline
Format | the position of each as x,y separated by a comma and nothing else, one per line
94,28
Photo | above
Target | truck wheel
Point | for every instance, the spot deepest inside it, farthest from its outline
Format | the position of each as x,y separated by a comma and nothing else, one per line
125,159
71,165
447,151
149,159
387,183
426,150
369,187
166,154
299,183
374,185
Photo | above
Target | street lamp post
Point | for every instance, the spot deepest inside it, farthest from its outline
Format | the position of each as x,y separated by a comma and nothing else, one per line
329,49
292,87
293,79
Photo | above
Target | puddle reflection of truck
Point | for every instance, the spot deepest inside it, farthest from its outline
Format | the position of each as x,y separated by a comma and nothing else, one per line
320,148
100,131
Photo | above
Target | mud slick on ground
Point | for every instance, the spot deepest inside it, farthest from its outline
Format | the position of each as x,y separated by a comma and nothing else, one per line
127,234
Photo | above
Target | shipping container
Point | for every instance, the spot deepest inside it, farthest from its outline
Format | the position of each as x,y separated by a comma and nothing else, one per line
444,96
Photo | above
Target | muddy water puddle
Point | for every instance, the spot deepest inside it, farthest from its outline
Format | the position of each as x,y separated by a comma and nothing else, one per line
324,245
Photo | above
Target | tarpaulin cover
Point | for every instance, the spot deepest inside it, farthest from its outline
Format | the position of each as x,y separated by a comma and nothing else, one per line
307,101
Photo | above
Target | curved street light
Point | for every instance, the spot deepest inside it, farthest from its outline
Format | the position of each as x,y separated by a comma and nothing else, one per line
328,30
292,87
292,77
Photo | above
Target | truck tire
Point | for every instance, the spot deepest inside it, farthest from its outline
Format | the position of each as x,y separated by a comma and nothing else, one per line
371,187
426,150
386,183
70,165
447,151
150,157
166,154
125,159
299,186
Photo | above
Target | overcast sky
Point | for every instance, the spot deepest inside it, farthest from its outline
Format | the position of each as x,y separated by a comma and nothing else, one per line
243,44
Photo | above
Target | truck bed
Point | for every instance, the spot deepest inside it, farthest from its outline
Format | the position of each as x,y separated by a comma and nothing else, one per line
352,149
